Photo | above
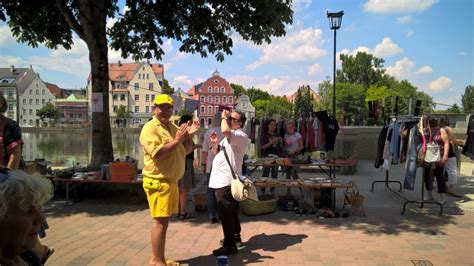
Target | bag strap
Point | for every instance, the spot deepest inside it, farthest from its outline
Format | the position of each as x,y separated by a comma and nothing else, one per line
234,176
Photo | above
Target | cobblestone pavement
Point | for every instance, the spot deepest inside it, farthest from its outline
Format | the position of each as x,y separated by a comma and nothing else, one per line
114,229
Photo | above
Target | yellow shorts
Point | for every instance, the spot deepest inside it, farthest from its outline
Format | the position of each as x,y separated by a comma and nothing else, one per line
162,196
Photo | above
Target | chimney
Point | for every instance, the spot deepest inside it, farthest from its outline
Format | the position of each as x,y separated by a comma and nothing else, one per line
12,68
119,63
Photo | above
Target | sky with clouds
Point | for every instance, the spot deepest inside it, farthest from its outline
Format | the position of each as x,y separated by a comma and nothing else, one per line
427,42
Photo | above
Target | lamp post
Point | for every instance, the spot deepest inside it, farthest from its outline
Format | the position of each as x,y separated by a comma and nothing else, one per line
335,20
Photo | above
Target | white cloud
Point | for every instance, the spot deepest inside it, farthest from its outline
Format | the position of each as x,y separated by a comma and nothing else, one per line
182,81
404,20
314,69
6,36
440,84
244,80
424,70
11,61
300,5
180,56
397,6
462,53
410,33
299,46
383,49
167,46
386,48
167,66
285,85
402,68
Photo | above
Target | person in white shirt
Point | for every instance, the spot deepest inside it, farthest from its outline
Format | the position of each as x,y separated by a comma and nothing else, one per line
234,143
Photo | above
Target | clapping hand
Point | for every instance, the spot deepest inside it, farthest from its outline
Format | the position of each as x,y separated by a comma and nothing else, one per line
213,138
181,133
193,127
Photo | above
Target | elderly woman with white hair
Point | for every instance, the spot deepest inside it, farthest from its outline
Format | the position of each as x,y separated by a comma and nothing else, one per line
21,199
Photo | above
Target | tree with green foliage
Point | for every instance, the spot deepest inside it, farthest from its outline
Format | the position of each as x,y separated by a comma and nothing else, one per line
303,106
202,27
257,94
363,68
238,89
123,113
167,89
279,106
467,99
49,113
454,109
325,93
350,98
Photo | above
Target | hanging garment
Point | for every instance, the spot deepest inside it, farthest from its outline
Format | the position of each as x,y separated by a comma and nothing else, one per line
330,131
311,145
414,141
394,143
380,147
468,149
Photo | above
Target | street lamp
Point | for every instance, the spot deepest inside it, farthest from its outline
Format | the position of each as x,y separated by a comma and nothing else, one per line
335,20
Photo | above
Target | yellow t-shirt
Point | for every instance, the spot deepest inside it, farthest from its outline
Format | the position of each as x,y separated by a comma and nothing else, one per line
153,137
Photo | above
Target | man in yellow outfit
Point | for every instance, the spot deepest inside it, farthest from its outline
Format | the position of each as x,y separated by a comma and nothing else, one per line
165,146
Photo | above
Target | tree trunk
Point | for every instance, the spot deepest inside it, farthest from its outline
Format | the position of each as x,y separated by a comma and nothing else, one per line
96,40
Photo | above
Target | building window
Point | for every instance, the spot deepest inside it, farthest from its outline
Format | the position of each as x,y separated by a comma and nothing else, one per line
209,89
43,92
31,92
24,112
216,81
36,84
31,101
10,93
79,115
217,109
115,108
24,101
216,90
37,92
137,108
203,110
43,101
31,121
137,97
147,99
31,111
218,99
147,76
203,98
209,109
150,86
37,101
10,108
137,86
224,99
153,97
230,100
115,97
222,90
209,99
139,76
147,109
122,97
117,86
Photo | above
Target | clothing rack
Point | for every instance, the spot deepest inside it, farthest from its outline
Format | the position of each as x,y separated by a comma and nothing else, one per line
387,181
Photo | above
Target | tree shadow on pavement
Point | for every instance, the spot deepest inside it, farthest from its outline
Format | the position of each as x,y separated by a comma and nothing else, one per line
248,254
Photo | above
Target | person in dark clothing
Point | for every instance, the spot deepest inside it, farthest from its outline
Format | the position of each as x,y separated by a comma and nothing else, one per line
270,143
331,128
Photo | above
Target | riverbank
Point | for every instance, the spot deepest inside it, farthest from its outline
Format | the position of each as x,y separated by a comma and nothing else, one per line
68,129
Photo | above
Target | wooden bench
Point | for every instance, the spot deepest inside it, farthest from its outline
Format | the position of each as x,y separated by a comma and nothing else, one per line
119,173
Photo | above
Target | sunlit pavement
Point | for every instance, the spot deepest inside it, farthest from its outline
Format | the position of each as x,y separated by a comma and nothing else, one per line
115,230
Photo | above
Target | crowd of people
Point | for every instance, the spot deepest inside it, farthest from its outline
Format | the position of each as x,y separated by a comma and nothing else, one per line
168,176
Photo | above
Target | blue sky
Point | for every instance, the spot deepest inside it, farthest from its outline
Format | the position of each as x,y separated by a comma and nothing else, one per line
427,42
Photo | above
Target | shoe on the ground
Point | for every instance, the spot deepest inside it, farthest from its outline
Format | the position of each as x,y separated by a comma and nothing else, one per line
213,220
225,251
238,242
453,194
428,198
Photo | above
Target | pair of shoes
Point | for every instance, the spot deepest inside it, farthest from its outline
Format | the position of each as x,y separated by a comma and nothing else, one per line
226,251
213,220
442,201
238,242
185,216
46,254
171,263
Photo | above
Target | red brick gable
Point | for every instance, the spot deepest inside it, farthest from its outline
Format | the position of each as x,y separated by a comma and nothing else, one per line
125,71
54,89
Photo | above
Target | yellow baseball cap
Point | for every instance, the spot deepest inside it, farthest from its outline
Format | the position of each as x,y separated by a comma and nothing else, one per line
163,99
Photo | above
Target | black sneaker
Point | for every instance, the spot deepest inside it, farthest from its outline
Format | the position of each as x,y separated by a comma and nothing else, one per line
213,220
238,242
226,251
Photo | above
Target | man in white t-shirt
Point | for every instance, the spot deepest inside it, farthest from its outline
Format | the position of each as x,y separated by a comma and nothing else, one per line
234,143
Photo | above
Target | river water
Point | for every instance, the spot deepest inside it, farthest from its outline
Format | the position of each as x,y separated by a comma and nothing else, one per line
69,147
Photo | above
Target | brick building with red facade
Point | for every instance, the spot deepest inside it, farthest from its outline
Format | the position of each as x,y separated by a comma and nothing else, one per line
211,93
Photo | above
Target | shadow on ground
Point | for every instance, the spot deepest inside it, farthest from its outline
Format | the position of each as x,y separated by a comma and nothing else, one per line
249,254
